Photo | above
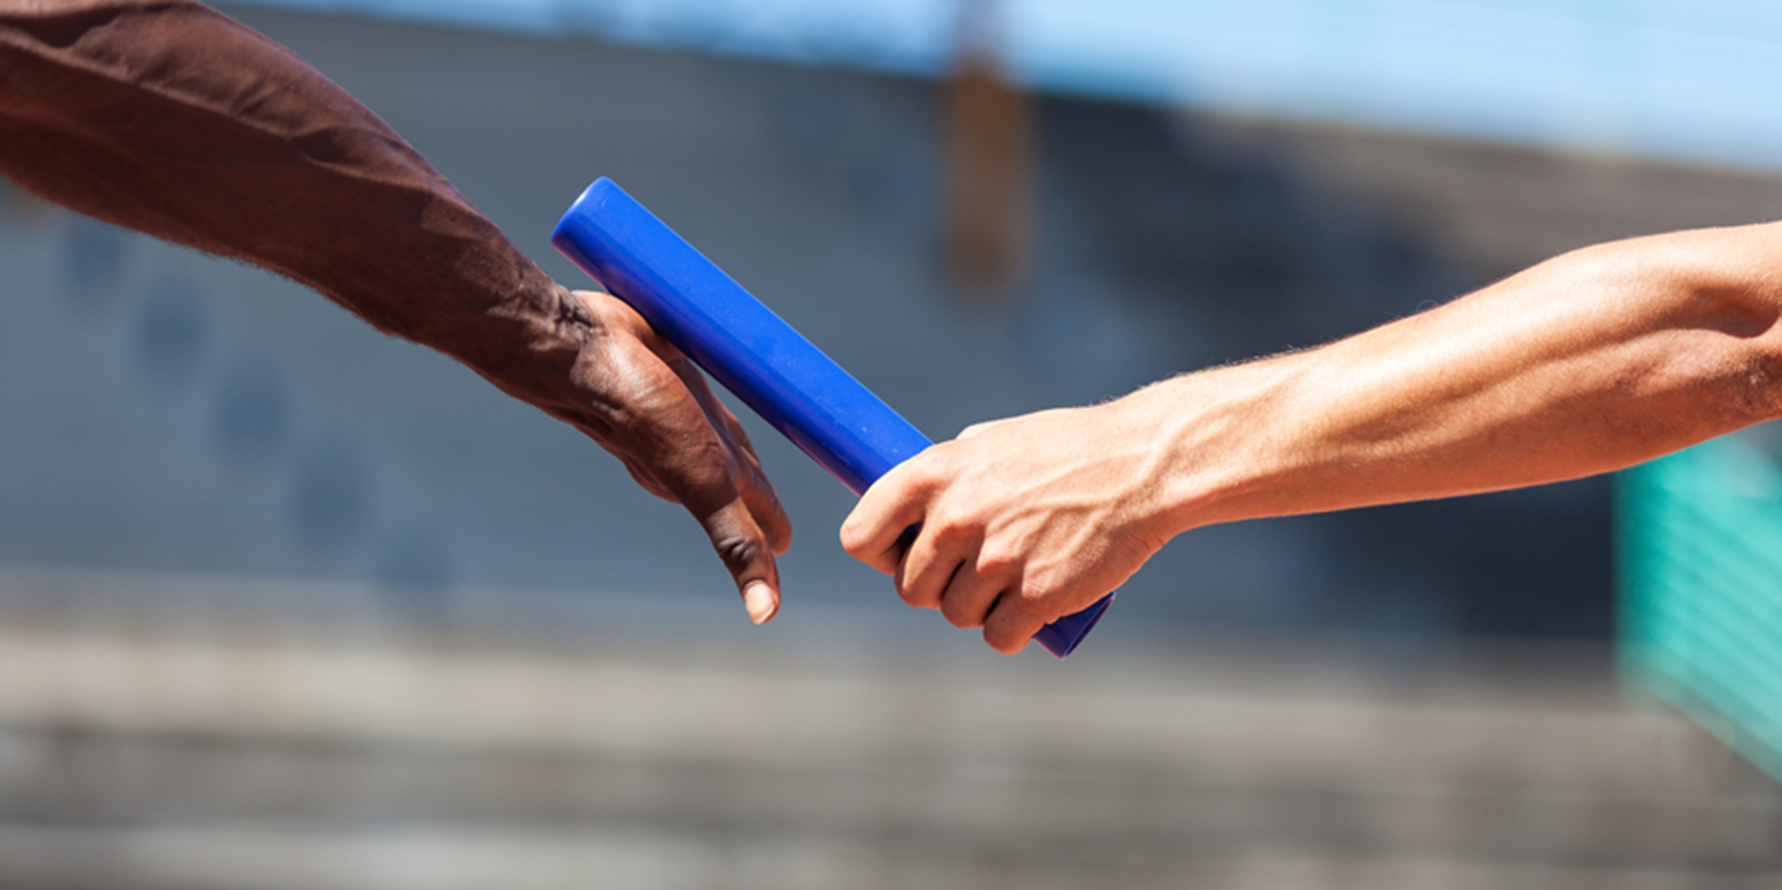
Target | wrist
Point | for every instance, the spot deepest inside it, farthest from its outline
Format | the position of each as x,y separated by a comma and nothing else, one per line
528,342
1217,443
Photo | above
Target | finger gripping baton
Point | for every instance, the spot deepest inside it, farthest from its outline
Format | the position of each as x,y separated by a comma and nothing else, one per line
749,349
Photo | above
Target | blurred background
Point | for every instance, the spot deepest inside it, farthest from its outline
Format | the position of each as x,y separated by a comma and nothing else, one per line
285,603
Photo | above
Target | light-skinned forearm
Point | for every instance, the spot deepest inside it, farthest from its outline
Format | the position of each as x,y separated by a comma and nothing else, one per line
1588,363
1594,361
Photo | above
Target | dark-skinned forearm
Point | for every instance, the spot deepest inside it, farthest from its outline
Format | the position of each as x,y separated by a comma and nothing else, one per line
168,117
172,119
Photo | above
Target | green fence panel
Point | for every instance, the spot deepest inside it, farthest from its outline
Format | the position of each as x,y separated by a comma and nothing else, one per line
1700,585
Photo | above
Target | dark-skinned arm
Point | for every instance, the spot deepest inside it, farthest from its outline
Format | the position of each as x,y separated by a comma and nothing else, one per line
167,117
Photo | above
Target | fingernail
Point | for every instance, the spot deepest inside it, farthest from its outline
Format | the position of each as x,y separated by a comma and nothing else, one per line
759,600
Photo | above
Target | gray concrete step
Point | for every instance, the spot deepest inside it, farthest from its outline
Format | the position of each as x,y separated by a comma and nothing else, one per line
260,750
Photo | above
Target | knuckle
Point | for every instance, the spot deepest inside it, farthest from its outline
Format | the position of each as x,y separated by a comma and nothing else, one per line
958,617
853,538
1005,633
998,561
947,529
933,467
738,551
915,590
922,597
912,591
915,598
1005,644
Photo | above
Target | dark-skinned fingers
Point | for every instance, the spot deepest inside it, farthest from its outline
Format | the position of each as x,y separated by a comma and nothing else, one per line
670,435
769,513
693,463
737,538
758,490
695,483
743,547
647,404
674,444
657,422
751,480
745,466
1011,626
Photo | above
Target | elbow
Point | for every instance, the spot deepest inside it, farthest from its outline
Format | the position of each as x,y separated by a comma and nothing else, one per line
1747,363
1757,391
1754,375
1732,287
1699,317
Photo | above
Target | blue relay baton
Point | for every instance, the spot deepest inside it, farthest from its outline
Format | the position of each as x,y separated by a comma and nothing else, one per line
745,346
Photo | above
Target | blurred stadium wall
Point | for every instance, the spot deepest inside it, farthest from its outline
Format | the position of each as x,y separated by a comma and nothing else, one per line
284,603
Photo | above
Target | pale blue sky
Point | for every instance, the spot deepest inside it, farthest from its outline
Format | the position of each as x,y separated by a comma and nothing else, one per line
1688,79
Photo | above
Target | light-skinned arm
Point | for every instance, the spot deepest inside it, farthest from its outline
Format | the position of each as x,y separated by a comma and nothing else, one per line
1590,362
168,117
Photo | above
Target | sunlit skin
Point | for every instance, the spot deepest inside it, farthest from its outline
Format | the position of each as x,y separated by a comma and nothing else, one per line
1590,362
166,117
